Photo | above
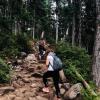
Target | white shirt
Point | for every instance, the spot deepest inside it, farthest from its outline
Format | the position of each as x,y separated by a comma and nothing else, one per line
50,60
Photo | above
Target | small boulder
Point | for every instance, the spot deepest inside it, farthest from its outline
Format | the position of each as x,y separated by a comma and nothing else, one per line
31,98
62,91
37,75
31,57
23,54
4,90
31,69
18,98
26,80
15,85
19,61
34,85
41,98
12,96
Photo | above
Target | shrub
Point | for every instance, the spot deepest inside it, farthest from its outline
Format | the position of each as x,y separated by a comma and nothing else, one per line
11,45
8,46
22,43
4,72
74,56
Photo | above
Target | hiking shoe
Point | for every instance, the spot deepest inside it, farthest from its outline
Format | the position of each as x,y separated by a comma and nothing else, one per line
58,98
46,89
59,95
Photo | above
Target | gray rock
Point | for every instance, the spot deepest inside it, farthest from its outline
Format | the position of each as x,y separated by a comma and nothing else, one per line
4,90
37,75
26,80
19,61
73,91
32,98
31,57
31,69
23,54
20,82
18,93
66,85
29,94
41,98
62,91
22,90
12,96
15,85
6,97
34,85
18,98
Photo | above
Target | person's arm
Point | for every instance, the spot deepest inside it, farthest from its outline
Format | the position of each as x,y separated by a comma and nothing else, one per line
47,62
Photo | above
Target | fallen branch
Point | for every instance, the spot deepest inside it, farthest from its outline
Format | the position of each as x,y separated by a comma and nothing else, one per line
87,86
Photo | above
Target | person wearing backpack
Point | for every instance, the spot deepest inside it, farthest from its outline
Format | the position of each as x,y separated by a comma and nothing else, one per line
52,70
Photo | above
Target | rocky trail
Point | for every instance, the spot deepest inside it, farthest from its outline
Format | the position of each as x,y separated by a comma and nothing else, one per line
26,83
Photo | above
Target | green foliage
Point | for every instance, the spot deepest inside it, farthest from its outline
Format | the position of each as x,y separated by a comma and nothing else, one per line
50,39
11,45
4,72
87,96
74,56
8,46
22,43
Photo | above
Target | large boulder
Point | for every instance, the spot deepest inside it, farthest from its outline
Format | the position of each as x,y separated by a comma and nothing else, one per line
73,91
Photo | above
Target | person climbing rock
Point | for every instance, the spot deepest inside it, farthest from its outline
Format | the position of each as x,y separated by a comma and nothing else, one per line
50,72
42,48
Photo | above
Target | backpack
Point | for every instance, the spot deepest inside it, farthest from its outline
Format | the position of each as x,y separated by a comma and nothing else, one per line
57,63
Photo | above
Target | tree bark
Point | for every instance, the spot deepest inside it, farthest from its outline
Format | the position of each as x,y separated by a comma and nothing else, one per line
96,58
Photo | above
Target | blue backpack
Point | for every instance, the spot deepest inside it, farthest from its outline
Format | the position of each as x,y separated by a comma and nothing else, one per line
57,63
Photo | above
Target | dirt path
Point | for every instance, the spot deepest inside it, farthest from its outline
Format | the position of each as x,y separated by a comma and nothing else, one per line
27,84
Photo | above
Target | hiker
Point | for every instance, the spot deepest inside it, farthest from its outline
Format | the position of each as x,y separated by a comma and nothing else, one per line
41,48
50,72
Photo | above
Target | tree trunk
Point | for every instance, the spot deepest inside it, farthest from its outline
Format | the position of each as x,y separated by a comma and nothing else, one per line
57,30
57,22
73,31
19,27
42,34
67,30
96,59
80,28
15,30
33,30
